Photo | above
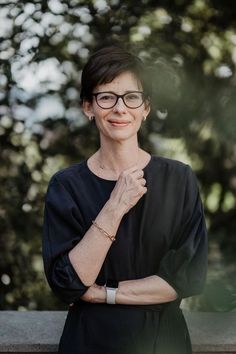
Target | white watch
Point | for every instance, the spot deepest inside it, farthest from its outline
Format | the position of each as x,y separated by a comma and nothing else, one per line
111,295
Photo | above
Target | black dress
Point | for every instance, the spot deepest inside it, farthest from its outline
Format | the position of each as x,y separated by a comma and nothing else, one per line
163,234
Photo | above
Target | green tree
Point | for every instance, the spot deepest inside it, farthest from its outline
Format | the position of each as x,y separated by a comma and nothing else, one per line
190,47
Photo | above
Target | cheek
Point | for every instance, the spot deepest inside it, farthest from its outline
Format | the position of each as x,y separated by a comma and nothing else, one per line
100,119
102,116
140,115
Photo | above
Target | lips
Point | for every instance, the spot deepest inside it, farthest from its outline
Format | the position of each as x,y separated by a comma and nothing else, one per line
118,123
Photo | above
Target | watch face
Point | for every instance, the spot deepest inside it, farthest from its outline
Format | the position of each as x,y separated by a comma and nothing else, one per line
112,283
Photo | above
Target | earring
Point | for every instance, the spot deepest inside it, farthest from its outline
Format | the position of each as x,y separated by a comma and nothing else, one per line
91,118
144,118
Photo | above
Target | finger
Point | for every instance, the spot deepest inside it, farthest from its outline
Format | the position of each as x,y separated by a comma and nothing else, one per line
138,174
141,174
142,181
135,172
132,169
144,190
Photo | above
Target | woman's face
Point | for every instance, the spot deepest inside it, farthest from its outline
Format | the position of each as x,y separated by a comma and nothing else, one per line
118,123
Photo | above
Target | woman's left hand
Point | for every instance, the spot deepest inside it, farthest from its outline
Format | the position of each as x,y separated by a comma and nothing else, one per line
95,294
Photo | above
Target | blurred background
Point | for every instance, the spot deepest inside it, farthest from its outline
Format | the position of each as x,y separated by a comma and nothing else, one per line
191,49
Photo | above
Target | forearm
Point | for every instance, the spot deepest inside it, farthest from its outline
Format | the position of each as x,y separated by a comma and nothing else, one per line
145,291
88,255
150,290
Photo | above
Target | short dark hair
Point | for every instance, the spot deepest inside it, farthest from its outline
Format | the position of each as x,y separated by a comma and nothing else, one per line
106,64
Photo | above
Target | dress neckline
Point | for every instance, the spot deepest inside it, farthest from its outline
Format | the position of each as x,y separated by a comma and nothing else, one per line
113,180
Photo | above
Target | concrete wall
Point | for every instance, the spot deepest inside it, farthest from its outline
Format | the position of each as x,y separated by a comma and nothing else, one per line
39,331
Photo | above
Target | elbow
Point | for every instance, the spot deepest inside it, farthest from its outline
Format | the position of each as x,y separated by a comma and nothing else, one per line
173,296
169,295
64,282
168,292
67,292
172,293
68,296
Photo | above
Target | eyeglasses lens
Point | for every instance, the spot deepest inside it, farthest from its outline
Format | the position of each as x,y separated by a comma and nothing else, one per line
131,99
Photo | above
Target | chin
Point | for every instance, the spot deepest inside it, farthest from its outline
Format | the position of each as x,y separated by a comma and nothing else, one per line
122,136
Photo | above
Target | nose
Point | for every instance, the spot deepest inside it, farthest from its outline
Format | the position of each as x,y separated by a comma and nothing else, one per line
120,106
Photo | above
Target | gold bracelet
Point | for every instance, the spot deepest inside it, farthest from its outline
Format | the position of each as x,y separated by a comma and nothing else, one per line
111,237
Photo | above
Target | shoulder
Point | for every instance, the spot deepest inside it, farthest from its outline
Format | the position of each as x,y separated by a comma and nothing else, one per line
170,165
173,171
69,174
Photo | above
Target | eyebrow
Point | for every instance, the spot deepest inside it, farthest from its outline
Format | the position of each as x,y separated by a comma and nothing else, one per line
128,91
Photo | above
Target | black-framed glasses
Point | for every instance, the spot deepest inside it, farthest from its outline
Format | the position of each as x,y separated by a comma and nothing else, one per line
107,100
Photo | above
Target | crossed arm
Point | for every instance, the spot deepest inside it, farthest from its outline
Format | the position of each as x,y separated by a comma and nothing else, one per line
145,291
88,256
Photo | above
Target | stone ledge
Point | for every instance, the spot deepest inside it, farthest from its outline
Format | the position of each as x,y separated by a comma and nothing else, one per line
39,331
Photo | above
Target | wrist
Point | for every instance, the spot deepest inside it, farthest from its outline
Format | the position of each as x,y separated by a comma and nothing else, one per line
116,210
104,294
111,295
100,296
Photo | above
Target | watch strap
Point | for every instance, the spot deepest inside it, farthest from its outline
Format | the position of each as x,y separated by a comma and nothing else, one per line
111,295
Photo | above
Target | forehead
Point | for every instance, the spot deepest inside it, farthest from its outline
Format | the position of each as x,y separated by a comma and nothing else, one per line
126,81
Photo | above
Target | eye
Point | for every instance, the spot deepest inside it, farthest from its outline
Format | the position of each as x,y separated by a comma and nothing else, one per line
133,96
106,97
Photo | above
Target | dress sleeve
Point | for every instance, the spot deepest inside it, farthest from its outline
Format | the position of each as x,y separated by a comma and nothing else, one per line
63,229
184,266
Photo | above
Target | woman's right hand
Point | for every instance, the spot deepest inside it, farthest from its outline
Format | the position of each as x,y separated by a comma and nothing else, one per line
129,188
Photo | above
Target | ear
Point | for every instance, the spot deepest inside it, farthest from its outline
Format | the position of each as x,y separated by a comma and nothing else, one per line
147,108
88,108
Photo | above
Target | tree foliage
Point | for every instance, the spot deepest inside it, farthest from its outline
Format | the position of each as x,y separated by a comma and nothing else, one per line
190,48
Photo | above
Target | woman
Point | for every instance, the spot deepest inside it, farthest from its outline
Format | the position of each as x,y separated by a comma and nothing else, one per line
124,235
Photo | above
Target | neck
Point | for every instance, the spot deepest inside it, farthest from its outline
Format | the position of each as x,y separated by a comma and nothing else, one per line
118,157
